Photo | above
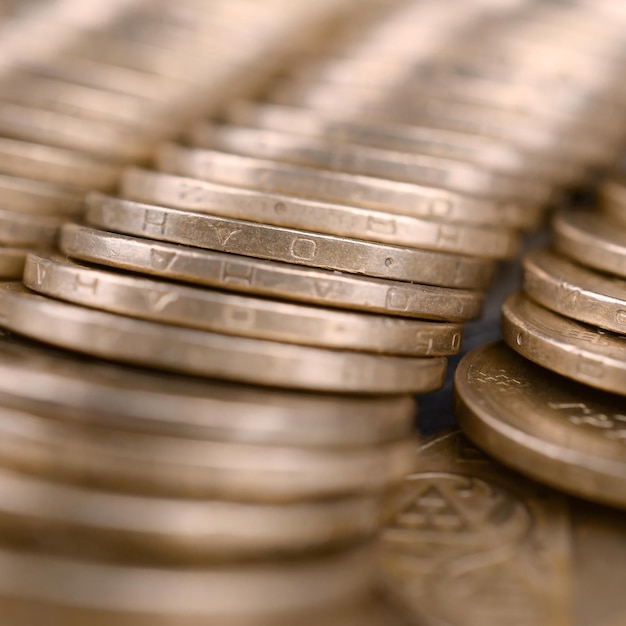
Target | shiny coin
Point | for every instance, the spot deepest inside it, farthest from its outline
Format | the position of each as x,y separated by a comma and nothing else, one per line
585,353
37,197
555,430
591,239
287,245
43,380
268,278
575,291
319,217
12,262
23,229
170,303
353,189
469,527
209,354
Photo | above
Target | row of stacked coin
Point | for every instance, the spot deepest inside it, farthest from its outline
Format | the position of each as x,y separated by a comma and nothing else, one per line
569,319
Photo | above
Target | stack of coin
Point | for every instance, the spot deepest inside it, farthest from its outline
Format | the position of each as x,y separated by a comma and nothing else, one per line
87,88
566,429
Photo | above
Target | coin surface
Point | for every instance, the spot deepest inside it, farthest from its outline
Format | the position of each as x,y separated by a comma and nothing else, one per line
210,354
191,194
65,386
591,239
287,245
24,229
575,291
478,545
191,307
12,262
585,353
354,189
269,278
37,197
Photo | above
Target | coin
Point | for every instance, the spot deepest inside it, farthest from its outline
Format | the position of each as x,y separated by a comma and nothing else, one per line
420,168
65,386
319,217
478,544
86,522
591,239
12,262
575,291
288,245
170,303
37,197
209,354
585,353
354,189
23,229
269,278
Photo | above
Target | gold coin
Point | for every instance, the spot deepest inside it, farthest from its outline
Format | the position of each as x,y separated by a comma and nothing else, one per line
585,353
353,189
213,355
316,216
268,278
135,591
575,291
43,380
170,303
420,168
55,165
24,229
555,430
288,245
12,262
448,569
37,197
591,239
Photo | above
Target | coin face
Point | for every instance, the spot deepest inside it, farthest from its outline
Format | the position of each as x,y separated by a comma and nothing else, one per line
575,291
287,245
269,278
585,353
477,545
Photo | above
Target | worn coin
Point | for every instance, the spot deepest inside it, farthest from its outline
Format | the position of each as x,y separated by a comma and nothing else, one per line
478,545
37,197
171,303
591,239
575,291
288,245
12,262
354,189
210,354
268,278
41,379
316,216
585,353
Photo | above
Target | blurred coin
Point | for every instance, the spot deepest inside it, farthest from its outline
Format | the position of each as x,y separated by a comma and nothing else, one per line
353,189
269,278
209,354
585,353
555,430
12,262
170,303
24,229
37,197
575,291
319,217
613,194
591,239
288,245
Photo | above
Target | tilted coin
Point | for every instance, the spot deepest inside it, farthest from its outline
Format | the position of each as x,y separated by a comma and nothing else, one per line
288,245
203,353
319,217
426,169
132,591
85,521
12,262
92,392
268,278
354,189
55,165
171,303
37,197
478,545
176,466
591,239
575,291
584,353
26,229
